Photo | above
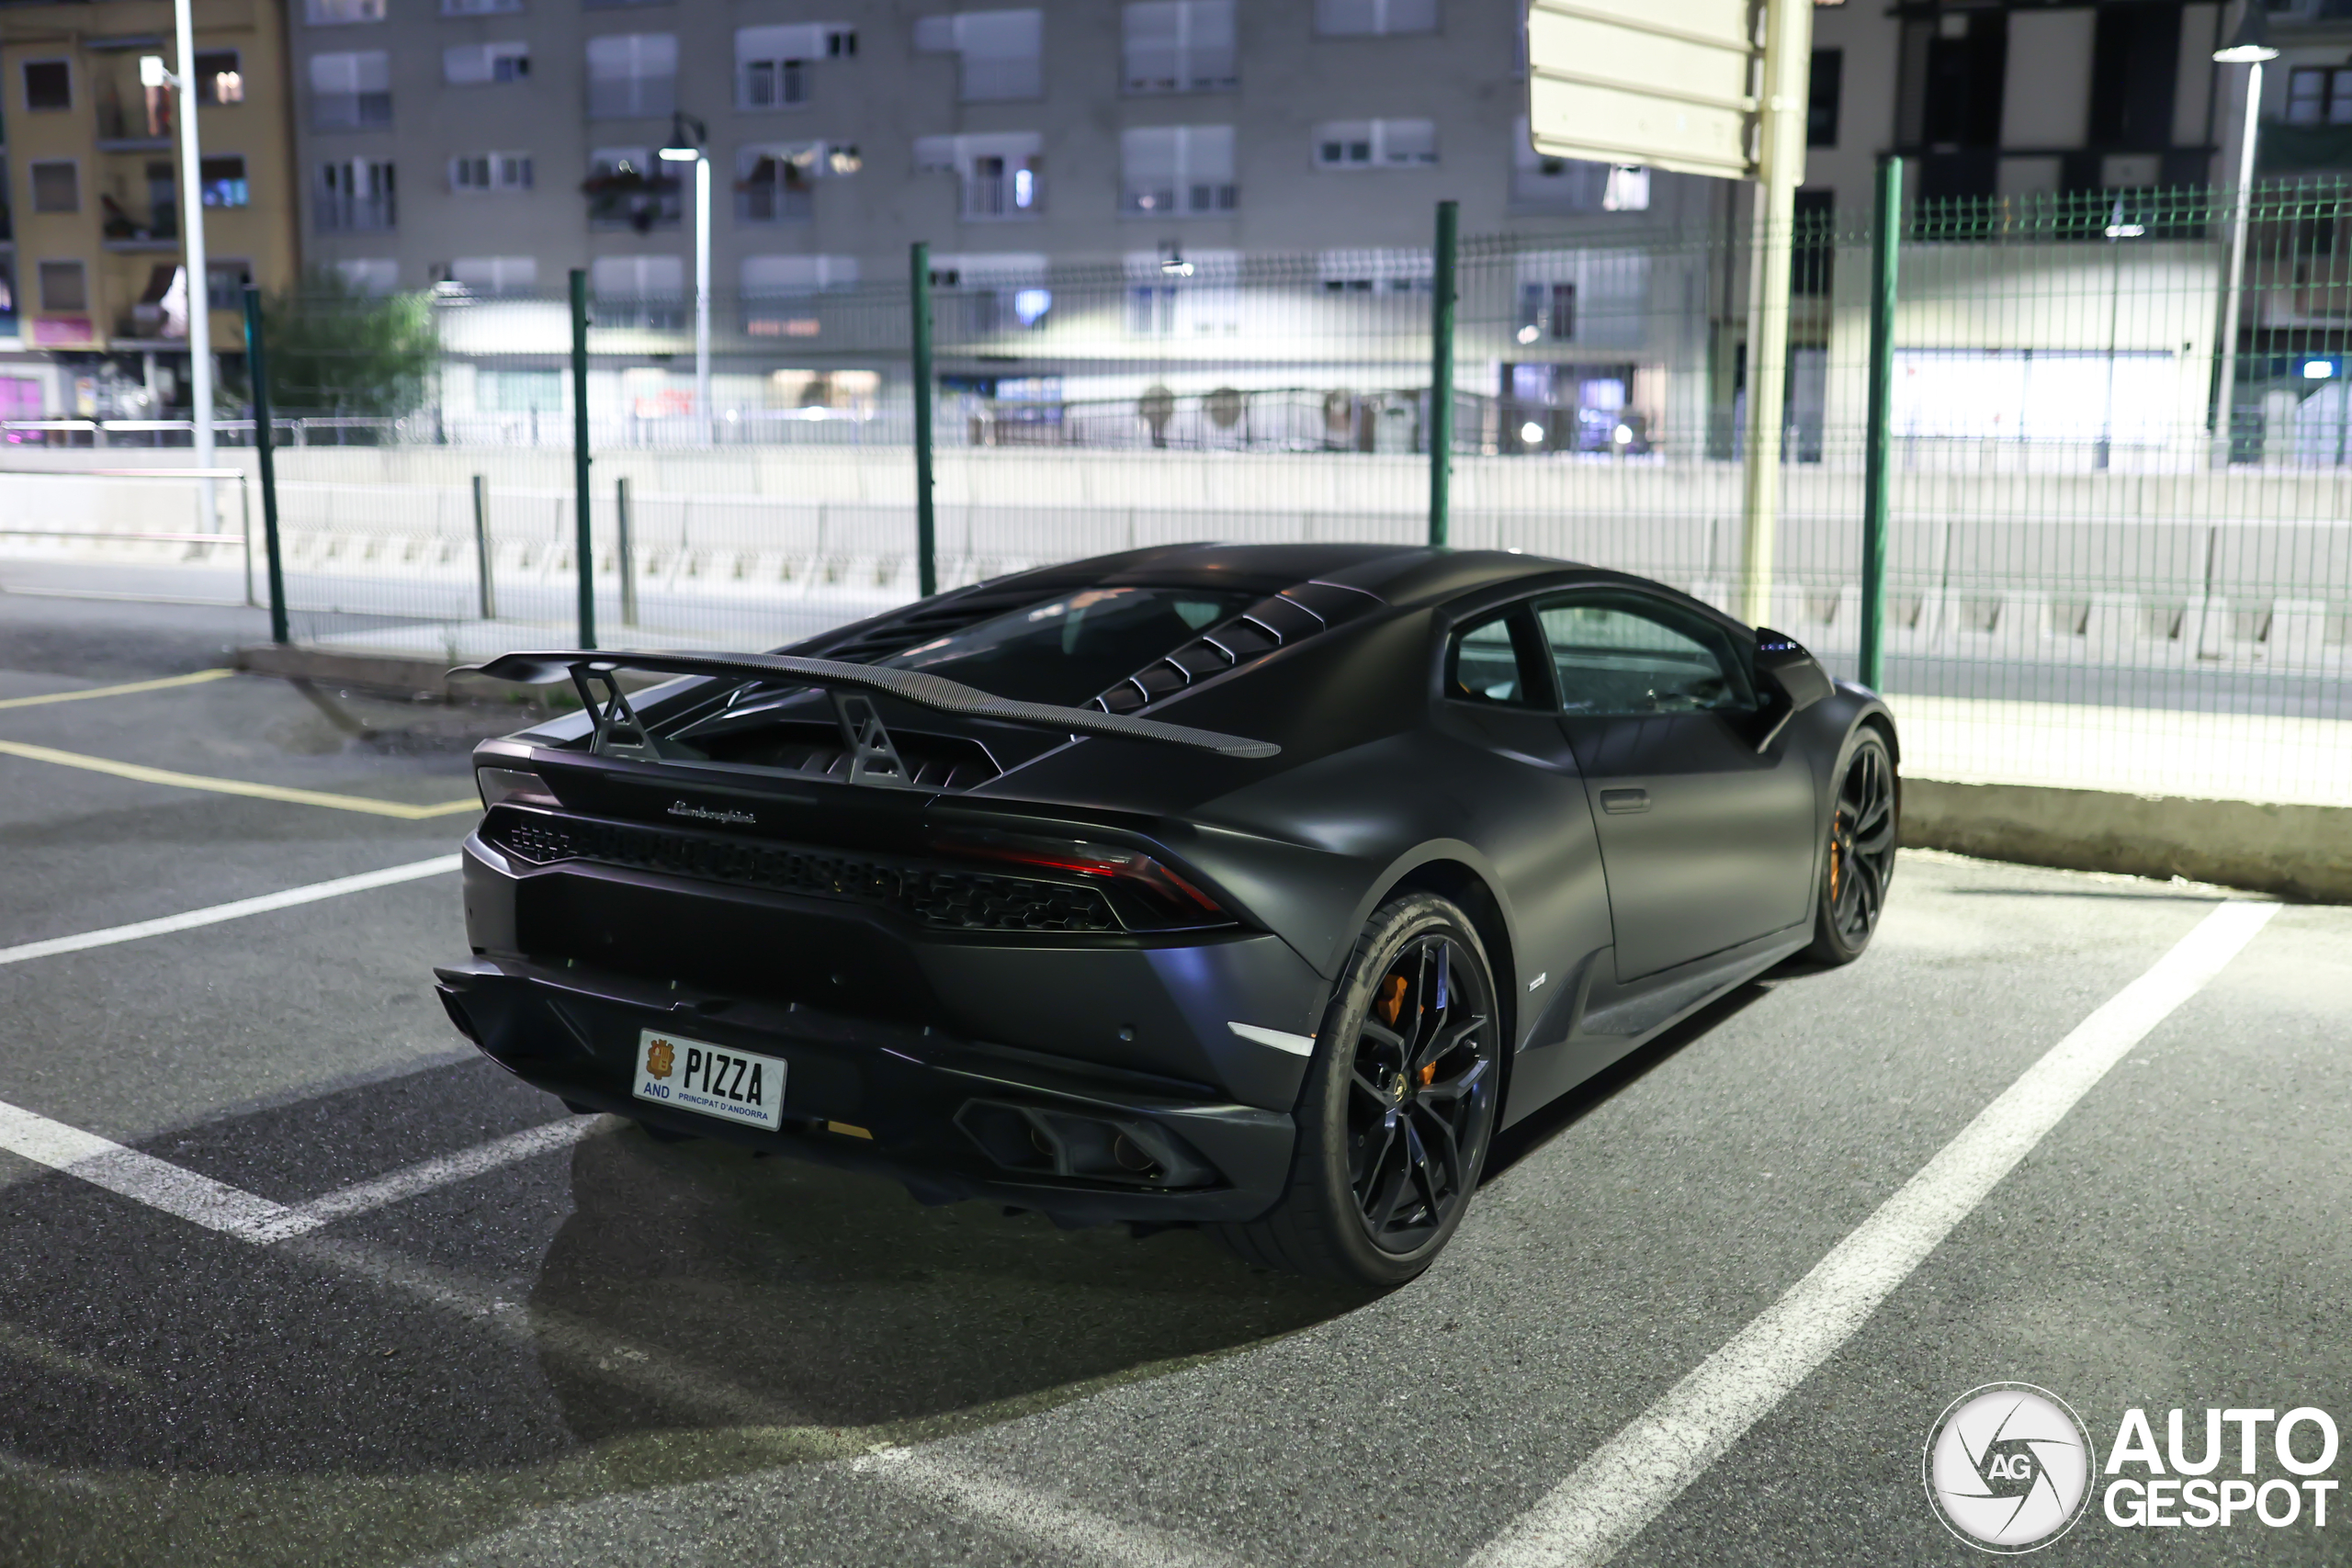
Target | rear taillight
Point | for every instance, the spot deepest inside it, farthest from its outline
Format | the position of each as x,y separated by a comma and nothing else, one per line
1146,892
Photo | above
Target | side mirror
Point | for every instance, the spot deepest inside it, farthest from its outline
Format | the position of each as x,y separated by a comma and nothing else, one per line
1791,679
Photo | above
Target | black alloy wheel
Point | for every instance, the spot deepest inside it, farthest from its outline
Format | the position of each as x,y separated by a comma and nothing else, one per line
1398,1107
1860,859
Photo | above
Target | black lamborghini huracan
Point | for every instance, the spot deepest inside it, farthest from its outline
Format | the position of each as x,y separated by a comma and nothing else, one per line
1246,885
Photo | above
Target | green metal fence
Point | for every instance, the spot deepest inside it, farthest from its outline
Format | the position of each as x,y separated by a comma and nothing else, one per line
2091,573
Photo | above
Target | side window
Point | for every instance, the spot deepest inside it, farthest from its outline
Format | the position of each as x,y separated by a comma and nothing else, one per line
1623,657
1482,666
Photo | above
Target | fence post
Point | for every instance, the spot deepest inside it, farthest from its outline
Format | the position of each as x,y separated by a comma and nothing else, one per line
1886,249
1442,299
257,371
926,521
626,556
584,548
483,555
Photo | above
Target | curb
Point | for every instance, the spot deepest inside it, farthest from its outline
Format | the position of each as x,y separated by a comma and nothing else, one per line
419,680
2302,853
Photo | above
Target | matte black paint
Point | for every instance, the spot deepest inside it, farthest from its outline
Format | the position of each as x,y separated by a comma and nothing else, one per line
1603,926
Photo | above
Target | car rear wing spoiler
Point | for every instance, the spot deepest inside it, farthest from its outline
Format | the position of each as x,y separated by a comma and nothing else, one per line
873,758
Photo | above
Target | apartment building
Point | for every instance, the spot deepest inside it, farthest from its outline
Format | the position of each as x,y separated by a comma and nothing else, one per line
90,214
498,143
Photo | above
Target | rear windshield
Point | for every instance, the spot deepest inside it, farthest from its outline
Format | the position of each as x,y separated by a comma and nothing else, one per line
1068,649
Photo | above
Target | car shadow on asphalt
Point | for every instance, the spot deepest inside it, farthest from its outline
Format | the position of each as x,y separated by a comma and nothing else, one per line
839,1301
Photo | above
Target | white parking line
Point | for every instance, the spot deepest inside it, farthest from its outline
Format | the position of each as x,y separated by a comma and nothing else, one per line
1629,1481
1059,1525
159,1184
215,913
141,1178
417,1179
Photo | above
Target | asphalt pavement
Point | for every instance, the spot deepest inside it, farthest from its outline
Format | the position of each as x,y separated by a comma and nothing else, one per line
318,1284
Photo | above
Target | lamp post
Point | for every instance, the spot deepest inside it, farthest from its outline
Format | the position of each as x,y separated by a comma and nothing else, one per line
199,284
2249,46
683,150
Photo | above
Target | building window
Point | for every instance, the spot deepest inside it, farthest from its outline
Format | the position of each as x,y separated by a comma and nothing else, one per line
478,7
646,292
222,182
1813,245
1342,19
1375,272
1821,97
224,283
629,189
772,64
1000,177
1375,143
472,64
776,184
351,92
356,196
371,275
1179,46
1166,171
795,278
999,51
219,79
496,275
57,185
490,172
1547,310
2318,95
1570,185
342,13
48,85
64,286
632,75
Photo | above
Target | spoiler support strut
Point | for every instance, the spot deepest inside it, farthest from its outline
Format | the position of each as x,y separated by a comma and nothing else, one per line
620,733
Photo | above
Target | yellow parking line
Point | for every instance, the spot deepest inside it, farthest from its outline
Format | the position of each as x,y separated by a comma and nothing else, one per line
235,786
197,678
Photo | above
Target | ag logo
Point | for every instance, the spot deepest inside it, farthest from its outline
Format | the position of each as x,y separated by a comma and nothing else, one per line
660,1057
2007,1468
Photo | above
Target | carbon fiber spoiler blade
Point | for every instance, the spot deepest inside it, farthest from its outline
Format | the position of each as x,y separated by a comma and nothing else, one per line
906,685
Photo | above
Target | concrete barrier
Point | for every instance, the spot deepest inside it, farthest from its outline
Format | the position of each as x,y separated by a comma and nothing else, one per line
2296,851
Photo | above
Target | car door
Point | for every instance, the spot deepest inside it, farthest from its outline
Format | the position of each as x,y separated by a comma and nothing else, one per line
1706,842
1536,819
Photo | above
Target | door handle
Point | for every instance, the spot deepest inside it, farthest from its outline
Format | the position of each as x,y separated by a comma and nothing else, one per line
1624,802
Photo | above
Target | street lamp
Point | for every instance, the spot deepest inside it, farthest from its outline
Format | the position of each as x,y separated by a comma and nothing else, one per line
685,150
2249,46
152,73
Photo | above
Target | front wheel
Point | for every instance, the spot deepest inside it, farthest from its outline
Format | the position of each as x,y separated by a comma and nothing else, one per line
1860,859
1397,1109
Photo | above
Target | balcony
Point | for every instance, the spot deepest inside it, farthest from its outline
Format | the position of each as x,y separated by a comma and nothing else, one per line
158,229
993,193
776,190
628,198
341,214
141,128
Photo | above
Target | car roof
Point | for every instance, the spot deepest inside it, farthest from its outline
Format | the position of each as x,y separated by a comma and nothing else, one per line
1400,574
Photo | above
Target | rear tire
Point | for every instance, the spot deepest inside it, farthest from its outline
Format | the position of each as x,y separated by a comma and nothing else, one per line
1858,860
1399,1106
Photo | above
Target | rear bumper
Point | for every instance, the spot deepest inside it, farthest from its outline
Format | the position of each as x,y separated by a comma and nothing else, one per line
951,1119
1007,1070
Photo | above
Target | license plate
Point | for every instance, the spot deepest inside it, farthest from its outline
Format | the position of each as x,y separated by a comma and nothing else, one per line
716,1080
